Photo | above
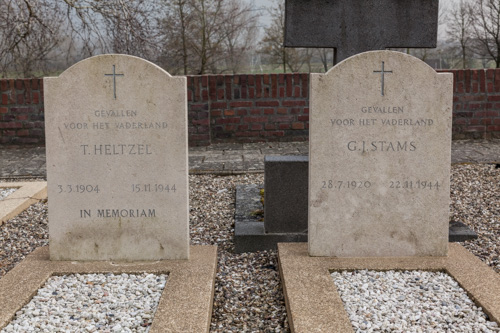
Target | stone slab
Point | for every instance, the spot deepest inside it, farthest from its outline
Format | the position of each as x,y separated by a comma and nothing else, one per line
27,193
286,204
250,234
185,305
380,158
314,304
357,26
117,161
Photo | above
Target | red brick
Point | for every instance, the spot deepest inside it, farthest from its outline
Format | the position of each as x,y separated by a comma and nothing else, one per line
268,111
11,125
23,132
229,112
242,112
269,126
255,112
19,84
294,103
282,111
296,92
284,126
297,126
256,127
255,119
494,128
216,113
283,119
204,95
235,120
496,121
220,94
460,121
486,121
205,121
251,80
476,128
303,118
20,99
247,134
272,133
4,85
490,74
240,104
267,103
230,128
36,98
295,111
22,117
251,93
3,110
218,105
265,78
494,98
204,81
243,127
282,92
289,88
5,99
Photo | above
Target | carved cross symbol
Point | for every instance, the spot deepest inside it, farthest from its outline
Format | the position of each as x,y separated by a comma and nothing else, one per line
114,75
382,72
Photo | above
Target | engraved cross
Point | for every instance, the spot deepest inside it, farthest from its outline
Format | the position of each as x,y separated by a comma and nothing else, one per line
382,73
114,75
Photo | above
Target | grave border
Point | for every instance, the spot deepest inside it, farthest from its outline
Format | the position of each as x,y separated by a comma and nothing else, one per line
314,305
185,304
27,193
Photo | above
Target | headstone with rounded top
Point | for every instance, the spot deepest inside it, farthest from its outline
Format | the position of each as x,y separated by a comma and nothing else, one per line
117,161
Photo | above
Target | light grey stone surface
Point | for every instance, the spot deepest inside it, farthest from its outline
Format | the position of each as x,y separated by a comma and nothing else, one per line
380,154
117,161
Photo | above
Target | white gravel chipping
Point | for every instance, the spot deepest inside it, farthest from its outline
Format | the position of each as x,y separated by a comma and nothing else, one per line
409,301
92,303
5,192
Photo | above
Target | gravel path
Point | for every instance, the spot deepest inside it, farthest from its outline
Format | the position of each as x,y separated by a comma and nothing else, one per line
248,294
91,303
409,301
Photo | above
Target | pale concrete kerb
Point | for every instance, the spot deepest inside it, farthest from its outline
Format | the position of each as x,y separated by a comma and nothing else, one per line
27,193
185,305
314,305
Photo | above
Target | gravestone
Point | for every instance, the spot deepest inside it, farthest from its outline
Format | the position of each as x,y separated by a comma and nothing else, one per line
380,156
357,26
117,161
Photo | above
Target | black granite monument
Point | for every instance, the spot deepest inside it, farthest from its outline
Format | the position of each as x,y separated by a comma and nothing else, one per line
355,26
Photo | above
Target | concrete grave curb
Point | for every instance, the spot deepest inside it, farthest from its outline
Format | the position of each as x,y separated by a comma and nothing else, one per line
27,193
185,305
314,305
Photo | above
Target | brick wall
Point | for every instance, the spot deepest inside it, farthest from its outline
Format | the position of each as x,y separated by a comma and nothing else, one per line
21,112
248,108
476,104
253,108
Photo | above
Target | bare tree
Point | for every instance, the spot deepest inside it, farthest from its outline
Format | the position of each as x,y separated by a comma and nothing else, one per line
239,32
273,42
27,38
460,28
485,15
207,35
32,31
